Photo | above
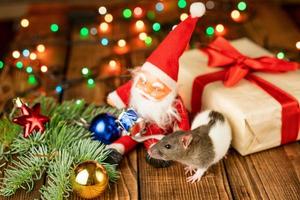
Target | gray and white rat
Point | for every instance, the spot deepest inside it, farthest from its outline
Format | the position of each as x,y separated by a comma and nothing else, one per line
206,144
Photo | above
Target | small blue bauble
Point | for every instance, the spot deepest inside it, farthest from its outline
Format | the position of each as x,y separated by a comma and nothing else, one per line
104,128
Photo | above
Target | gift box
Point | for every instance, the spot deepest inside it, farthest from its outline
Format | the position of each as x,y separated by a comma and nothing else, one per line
258,96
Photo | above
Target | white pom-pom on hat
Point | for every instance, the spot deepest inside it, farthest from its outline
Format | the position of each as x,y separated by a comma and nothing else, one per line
197,9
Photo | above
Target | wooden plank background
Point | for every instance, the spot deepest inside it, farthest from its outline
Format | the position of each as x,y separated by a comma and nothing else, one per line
271,174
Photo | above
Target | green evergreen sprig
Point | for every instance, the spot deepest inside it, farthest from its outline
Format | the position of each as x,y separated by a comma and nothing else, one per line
57,151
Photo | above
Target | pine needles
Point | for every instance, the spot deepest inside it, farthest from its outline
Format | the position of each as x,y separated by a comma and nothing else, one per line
57,151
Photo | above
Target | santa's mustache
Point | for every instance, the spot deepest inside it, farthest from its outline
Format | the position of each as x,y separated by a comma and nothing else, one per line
147,96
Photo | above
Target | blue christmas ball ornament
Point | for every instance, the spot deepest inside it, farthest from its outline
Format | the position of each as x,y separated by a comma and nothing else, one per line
104,128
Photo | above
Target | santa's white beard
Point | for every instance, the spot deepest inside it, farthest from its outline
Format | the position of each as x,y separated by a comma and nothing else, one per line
162,112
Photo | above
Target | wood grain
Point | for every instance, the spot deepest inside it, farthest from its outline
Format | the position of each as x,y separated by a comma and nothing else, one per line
170,183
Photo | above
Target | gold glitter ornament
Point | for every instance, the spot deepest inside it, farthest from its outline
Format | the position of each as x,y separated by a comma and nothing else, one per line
89,179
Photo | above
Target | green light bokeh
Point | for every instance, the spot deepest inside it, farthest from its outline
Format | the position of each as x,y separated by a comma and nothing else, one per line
54,27
19,65
84,32
181,3
210,31
127,13
156,26
242,6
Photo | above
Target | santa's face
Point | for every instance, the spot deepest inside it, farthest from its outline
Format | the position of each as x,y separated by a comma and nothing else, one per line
152,86
153,100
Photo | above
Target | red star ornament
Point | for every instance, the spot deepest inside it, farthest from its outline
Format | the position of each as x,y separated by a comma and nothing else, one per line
31,119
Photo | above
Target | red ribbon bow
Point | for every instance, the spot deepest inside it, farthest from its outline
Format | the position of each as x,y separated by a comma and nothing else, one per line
222,54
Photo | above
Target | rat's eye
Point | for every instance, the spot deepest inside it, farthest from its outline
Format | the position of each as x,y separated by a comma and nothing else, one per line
168,146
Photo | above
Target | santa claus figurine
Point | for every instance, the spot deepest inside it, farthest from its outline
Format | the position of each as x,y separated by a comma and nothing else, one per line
152,92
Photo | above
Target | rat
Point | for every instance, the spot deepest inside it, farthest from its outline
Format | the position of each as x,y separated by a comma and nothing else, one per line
204,145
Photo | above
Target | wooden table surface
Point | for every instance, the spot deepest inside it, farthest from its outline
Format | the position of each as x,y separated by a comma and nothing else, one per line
271,174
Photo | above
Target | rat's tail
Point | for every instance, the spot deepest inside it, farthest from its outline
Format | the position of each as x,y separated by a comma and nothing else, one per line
208,117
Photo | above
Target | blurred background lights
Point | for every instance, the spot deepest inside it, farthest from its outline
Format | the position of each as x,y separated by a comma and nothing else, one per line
140,25
151,15
156,26
16,54
104,41
44,68
159,6
1,64
40,48
242,6
54,27
29,69
24,23
91,82
108,18
298,45
210,5
58,89
183,16
210,31
138,12
26,52
93,31
31,79
127,13
148,41
104,26
280,55
122,43
33,56
85,71
181,3
112,63
235,15
102,10
142,36
19,65
220,28
84,32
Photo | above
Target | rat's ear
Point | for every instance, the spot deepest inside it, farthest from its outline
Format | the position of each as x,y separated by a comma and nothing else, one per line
186,140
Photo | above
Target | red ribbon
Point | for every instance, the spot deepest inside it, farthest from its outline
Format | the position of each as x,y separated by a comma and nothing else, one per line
222,54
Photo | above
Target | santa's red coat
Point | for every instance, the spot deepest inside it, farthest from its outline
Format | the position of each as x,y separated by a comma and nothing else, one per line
121,97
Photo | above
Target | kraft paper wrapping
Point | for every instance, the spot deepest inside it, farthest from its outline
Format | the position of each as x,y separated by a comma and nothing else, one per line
254,115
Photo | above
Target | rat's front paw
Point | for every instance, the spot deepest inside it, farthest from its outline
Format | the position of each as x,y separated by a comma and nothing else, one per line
196,177
157,163
189,170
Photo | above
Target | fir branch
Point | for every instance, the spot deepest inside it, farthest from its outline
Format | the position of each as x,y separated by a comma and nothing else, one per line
48,105
23,171
8,131
63,135
88,149
92,110
70,109
21,145
58,185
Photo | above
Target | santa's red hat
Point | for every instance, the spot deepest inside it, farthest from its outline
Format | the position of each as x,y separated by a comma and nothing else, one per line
163,62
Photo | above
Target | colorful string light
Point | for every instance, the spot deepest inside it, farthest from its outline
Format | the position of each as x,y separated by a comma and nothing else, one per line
156,26
242,5
138,12
84,32
142,36
26,52
104,27
104,41
33,56
298,45
93,31
209,31
1,64
24,23
183,16
31,79
29,69
148,41
44,68
151,15
59,89
210,5
159,6
102,10
16,54
235,15
54,28
280,55
41,48
181,4
85,71
121,43
19,65
91,83
127,13
108,18
140,25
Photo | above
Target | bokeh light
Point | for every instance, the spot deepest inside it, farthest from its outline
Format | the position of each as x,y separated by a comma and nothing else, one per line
298,45
121,43
33,56
138,12
104,27
108,18
104,41
235,15
16,54
159,6
139,25
26,52
148,41
242,6
156,26
24,23
142,36
280,55
183,16
1,64
54,27
84,32
181,3
127,13
29,69
102,10
210,31
41,48
44,68
19,65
